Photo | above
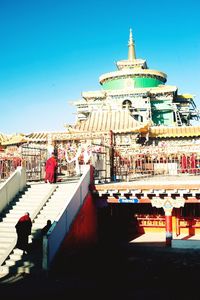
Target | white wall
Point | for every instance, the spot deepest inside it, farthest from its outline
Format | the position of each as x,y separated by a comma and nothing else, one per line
12,186
55,236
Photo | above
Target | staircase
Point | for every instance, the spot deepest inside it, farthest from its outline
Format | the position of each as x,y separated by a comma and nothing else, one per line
32,200
43,202
53,206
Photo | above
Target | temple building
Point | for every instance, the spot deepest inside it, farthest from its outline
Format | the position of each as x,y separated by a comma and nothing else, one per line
134,127
140,91
134,112
139,109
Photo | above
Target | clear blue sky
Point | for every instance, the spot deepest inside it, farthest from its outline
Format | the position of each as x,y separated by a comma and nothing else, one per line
53,50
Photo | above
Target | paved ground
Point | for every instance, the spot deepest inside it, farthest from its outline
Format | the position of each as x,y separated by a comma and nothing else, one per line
113,271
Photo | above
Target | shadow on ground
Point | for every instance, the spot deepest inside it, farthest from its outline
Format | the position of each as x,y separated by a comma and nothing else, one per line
112,271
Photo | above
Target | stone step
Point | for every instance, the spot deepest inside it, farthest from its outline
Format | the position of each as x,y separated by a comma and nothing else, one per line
54,205
5,244
16,256
7,230
5,239
9,224
4,270
12,220
18,268
36,191
15,213
25,268
28,199
39,225
8,219
26,204
8,234
17,251
10,262
48,214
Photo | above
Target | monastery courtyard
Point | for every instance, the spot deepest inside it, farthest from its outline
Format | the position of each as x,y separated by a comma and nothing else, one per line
114,272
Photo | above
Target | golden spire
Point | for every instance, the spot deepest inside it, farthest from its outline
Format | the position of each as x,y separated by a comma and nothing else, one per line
131,47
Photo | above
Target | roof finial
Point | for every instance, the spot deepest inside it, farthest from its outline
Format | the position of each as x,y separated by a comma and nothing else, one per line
131,47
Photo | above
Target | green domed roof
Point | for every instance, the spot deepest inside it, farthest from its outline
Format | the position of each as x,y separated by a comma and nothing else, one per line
132,73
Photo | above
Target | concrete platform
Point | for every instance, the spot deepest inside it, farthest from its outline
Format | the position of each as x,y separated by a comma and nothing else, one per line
180,181
186,242
159,240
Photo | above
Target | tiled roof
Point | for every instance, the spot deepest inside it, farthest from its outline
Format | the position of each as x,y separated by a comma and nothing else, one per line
104,121
179,131
34,137
15,139
37,136
3,138
44,136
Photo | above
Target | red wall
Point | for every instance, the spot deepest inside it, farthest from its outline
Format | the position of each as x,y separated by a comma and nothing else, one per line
83,231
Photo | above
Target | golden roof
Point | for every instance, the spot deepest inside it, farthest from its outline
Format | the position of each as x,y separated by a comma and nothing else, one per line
186,96
3,138
176,131
15,139
103,121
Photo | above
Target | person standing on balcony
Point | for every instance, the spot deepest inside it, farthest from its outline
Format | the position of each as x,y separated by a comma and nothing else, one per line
51,169
23,228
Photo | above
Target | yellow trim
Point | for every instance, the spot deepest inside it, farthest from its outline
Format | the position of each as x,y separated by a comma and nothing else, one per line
186,96
162,131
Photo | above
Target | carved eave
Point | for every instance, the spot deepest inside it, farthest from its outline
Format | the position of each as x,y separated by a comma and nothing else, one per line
93,94
127,64
143,192
163,89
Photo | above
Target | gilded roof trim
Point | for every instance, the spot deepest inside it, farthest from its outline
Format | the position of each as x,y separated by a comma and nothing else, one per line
178,131
3,138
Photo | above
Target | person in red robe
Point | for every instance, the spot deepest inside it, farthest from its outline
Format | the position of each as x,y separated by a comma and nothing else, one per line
192,162
23,228
51,169
184,163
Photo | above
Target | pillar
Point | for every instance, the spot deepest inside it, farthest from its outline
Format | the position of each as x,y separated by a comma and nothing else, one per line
168,228
168,203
